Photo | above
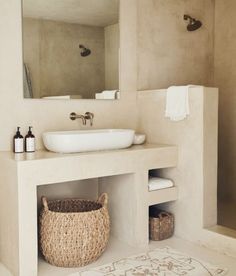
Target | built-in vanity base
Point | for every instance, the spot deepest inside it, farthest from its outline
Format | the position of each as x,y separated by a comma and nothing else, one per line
123,174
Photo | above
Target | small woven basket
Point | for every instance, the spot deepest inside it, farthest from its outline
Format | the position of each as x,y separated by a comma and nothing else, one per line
161,225
73,232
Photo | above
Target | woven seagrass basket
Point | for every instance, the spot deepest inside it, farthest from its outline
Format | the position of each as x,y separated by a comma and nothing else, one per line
161,224
73,232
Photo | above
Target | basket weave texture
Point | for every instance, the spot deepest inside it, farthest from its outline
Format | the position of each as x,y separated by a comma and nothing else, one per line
161,225
73,232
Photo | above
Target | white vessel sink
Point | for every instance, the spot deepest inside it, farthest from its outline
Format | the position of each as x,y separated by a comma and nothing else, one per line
88,140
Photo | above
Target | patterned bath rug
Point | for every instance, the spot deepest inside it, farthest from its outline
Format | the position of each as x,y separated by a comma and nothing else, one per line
158,262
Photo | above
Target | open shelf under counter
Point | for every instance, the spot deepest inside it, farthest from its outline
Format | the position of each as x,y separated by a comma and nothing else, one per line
122,174
162,196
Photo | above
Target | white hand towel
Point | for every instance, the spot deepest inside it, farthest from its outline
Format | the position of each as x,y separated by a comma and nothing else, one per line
99,96
157,183
64,97
109,94
177,102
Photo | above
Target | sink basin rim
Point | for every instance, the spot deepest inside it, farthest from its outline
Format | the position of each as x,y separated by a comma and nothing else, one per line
84,131
76,141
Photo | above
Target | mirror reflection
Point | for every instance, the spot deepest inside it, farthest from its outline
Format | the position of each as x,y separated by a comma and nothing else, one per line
71,49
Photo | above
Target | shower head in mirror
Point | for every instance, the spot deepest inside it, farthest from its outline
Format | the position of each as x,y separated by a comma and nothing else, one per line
85,51
193,24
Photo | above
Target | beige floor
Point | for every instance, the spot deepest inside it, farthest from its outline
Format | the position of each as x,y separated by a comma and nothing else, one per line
227,214
117,250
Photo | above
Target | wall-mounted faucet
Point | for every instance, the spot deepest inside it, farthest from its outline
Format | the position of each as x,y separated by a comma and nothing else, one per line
87,116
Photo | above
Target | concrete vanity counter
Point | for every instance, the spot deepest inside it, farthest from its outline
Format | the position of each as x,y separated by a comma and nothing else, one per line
123,174
68,167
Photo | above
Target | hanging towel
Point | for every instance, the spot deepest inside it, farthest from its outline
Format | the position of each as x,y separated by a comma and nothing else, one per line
28,92
157,183
177,102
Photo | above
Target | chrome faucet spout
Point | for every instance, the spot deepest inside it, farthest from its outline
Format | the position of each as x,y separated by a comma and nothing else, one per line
74,116
87,116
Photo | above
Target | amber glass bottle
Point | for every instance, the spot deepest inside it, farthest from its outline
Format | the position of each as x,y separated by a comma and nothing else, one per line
30,141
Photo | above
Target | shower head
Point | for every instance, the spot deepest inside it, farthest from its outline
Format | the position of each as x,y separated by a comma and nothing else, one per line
85,51
193,24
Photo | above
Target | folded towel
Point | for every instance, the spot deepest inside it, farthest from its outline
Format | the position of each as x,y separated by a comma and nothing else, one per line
157,183
107,95
99,96
62,97
177,102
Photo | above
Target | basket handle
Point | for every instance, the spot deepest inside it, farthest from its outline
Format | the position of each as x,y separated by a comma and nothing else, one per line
103,199
45,202
162,214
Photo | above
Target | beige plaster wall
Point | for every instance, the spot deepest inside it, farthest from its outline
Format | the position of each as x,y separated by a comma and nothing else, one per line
195,175
167,53
112,46
46,115
225,79
51,50
188,135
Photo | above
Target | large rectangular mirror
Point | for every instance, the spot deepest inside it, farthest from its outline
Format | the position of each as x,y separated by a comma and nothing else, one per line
71,49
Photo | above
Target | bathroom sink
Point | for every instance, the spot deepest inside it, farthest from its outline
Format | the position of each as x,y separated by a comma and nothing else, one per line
88,140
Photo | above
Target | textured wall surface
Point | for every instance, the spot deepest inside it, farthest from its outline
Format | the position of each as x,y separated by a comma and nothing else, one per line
167,53
195,174
51,51
99,13
225,79
112,45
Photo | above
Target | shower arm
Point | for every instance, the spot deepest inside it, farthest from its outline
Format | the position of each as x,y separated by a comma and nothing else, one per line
186,17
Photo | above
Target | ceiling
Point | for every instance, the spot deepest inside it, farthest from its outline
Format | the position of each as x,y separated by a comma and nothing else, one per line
86,12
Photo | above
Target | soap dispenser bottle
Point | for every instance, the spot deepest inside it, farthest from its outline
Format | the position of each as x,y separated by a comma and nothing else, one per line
18,142
30,141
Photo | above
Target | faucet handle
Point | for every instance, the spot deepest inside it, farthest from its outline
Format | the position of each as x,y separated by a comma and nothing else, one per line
89,116
73,116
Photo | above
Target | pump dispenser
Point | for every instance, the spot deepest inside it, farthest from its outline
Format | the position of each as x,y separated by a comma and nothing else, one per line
30,141
18,142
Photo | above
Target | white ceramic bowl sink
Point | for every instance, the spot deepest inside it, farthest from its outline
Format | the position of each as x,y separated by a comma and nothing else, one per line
88,140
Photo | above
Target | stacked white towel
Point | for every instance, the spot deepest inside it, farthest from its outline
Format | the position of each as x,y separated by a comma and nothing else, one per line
157,183
63,97
177,102
108,95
